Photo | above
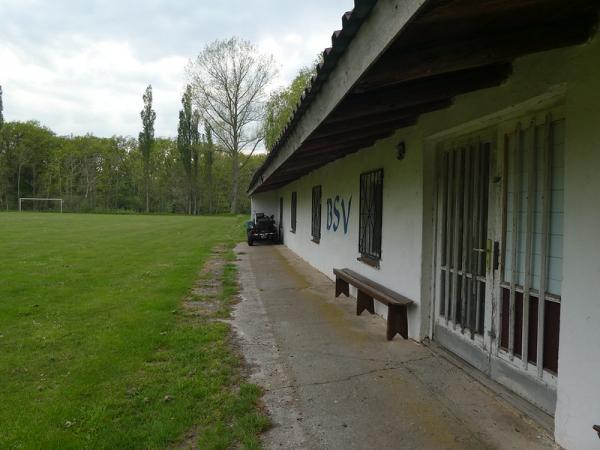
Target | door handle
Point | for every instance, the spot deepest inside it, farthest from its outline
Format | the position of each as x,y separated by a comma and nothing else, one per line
492,253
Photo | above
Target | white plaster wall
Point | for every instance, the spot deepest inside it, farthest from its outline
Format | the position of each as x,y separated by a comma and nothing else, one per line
408,221
578,402
401,239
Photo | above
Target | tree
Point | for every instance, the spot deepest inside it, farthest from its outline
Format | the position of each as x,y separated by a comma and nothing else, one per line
146,139
187,142
1,110
209,158
281,104
27,146
3,165
229,79
195,153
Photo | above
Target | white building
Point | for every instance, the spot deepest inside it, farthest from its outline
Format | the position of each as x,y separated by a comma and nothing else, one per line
450,150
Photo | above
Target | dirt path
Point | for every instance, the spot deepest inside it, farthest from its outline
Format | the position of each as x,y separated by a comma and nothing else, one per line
210,300
331,380
205,297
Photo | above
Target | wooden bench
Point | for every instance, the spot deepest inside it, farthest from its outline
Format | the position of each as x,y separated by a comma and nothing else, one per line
397,319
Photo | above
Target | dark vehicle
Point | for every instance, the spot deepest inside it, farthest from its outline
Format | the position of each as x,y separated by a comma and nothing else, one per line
262,229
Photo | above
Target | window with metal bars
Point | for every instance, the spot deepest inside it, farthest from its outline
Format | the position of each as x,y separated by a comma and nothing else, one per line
316,213
371,206
293,212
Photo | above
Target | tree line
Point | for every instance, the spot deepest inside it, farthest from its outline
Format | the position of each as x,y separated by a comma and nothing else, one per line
107,174
226,114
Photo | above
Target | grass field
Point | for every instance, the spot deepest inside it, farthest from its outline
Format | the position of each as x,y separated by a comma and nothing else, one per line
94,350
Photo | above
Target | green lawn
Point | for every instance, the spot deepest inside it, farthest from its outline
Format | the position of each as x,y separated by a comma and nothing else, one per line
95,351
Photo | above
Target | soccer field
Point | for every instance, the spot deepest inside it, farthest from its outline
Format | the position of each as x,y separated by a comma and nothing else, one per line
94,349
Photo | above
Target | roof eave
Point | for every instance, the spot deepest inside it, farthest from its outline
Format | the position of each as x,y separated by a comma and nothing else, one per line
367,30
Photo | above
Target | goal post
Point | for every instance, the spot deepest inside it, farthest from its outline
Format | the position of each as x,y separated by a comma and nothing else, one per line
35,199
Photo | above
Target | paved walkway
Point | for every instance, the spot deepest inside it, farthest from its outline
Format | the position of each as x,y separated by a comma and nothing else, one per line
332,381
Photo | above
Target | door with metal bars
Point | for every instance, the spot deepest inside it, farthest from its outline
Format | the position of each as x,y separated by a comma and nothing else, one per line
499,248
462,264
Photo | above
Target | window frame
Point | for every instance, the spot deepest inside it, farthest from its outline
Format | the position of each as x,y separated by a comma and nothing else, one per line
370,247
293,211
317,194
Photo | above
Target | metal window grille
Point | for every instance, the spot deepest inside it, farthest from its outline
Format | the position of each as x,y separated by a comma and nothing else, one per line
316,213
371,205
293,211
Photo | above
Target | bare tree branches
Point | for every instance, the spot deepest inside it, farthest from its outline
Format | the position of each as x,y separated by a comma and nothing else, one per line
229,80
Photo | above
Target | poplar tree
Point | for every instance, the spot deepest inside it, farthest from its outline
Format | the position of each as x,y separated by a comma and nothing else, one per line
146,139
188,139
3,175
1,109
209,159
195,153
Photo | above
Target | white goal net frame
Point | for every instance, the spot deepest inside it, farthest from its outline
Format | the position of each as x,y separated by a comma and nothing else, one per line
34,199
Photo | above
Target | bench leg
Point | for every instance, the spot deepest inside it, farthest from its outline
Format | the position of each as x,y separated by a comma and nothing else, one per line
341,287
397,321
363,301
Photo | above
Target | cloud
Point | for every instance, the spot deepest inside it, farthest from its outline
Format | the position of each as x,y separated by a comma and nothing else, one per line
81,67
90,86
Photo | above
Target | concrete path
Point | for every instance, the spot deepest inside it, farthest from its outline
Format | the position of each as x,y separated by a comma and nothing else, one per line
332,381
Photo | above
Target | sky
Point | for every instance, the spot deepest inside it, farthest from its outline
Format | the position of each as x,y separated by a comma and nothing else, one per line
81,66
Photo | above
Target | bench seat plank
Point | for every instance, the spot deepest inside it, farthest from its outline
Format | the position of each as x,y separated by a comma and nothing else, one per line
375,290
